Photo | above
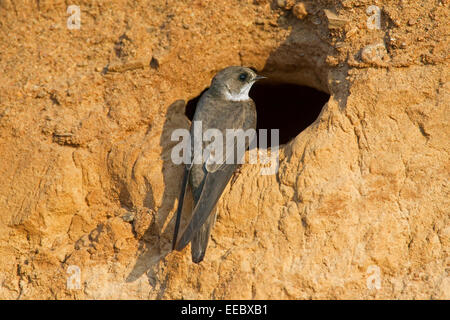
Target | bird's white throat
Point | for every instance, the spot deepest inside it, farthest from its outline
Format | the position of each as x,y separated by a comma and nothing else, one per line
241,96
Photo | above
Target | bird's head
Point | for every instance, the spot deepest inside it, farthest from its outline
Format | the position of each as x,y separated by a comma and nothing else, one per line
234,83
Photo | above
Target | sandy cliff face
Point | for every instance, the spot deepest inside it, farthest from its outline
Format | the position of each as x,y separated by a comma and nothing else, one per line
358,209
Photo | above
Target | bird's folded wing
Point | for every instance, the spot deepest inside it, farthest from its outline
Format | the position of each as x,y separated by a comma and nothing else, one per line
215,183
184,184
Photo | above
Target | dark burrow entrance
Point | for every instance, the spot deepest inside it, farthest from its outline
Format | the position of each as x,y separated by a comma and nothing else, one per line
288,107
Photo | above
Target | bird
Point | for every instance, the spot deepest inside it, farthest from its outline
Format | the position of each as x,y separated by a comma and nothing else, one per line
225,105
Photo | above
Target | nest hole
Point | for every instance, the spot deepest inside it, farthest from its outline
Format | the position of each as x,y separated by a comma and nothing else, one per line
291,108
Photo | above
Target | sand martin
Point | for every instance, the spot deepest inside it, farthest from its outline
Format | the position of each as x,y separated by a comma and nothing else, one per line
225,105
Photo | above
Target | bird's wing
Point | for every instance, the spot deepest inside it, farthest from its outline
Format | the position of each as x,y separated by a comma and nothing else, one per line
184,183
181,198
213,186
214,182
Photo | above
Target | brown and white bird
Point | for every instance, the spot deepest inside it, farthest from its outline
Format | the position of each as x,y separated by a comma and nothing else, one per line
225,105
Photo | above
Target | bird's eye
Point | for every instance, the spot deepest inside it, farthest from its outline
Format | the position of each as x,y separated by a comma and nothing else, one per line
243,76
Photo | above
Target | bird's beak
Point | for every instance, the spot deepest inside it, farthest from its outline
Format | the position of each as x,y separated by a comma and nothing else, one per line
258,77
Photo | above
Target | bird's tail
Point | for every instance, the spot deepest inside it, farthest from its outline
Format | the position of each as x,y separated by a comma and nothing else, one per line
200,240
